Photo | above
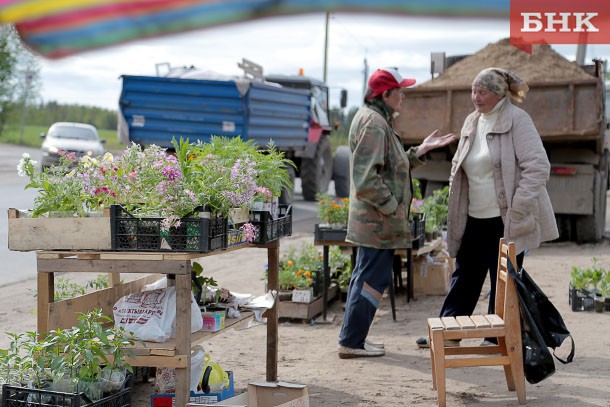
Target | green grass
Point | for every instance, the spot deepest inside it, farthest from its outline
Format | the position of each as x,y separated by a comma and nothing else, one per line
31,136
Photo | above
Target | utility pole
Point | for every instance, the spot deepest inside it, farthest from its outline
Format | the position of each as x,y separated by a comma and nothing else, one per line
365,84
28,81
326,47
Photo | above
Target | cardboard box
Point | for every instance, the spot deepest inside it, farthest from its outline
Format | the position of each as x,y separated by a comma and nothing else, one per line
169,400
236,237
303,295
213,321
432,275
241,400
273,394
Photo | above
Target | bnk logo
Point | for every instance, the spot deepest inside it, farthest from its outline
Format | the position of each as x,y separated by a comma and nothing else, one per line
559,22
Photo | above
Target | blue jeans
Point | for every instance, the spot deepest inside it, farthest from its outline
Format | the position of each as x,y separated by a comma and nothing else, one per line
370,278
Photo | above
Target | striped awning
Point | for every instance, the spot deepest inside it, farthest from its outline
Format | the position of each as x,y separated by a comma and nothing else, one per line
57,28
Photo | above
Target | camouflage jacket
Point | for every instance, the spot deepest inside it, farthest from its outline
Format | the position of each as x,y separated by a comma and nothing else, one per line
380,188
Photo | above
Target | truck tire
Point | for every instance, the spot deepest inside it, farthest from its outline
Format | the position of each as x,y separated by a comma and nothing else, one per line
317,172
288,194
590,228
341,171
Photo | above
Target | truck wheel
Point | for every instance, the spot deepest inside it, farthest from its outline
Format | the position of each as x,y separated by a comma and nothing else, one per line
590,228
316,172
288,194
341,171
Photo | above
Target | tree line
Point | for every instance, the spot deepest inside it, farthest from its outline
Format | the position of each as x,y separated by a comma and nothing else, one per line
47,113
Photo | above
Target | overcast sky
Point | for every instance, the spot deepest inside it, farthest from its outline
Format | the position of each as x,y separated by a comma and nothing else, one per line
283,45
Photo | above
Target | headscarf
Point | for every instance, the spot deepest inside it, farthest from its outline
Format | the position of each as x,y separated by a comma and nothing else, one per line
500,81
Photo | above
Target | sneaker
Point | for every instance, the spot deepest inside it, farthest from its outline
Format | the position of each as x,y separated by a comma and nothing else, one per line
378,345
349,353
424,342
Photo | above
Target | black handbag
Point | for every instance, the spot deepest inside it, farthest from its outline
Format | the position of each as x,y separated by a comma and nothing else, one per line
542,327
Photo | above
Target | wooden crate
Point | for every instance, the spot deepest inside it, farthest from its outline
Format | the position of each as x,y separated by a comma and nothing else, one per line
289,309
27,234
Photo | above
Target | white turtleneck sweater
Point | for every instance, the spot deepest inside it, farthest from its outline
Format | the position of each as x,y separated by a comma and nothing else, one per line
479,170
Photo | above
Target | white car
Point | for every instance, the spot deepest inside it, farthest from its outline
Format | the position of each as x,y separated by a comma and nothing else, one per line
62,137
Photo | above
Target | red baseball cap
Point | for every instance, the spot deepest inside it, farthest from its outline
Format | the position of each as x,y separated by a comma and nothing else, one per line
385,79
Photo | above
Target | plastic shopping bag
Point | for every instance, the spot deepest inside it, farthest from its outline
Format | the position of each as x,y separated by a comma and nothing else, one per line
151,315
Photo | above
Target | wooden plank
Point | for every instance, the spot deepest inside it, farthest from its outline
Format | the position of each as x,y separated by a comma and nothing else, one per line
435,323
45,294
478,361
50,255
178,361
465,322
112,266
450,323
183,335
27,234
64,314
273,274
114,279
480,321
169,347
87,256
136,256
495,320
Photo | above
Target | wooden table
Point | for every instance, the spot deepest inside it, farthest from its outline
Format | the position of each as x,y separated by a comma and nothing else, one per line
175,353
407,256
326,272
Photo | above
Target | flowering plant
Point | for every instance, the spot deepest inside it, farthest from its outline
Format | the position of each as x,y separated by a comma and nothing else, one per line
220,175
230,172
59,187
299,269
333,210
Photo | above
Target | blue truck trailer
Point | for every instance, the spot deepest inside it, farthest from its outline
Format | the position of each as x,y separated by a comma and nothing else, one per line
292,111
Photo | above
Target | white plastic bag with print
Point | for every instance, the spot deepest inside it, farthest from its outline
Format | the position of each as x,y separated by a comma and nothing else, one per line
151,315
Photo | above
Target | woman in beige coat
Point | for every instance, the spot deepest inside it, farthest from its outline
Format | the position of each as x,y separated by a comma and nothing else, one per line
497,189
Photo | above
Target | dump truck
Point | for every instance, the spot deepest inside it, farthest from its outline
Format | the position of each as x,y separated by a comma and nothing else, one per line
568,106
291,111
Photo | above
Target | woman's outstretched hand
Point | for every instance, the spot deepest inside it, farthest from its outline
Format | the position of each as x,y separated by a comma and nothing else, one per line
433,141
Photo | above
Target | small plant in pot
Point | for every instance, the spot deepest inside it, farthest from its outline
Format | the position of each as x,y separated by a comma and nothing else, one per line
602,301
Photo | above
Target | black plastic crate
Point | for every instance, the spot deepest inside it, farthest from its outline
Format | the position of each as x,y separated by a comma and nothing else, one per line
195,234
13,396
268,229
336,235
581,300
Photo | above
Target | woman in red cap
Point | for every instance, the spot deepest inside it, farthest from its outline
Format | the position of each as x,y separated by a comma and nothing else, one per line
380,197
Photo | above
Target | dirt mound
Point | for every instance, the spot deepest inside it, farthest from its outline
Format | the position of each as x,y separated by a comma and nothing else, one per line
543,65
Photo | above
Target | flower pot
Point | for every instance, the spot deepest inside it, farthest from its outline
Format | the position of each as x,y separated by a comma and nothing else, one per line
93,388
599,303
112,380
64,384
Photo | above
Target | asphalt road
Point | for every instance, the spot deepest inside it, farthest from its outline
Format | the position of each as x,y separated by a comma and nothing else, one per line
19,266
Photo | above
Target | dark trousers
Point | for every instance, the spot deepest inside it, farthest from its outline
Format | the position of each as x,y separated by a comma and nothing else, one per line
477,256
370,278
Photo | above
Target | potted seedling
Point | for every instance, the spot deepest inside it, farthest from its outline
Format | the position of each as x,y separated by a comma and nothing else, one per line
579,296
602,301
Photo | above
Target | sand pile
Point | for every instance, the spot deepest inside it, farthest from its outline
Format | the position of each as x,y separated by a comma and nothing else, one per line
543,65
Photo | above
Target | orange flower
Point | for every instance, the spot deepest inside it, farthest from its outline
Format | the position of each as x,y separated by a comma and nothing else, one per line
289,263
307,274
